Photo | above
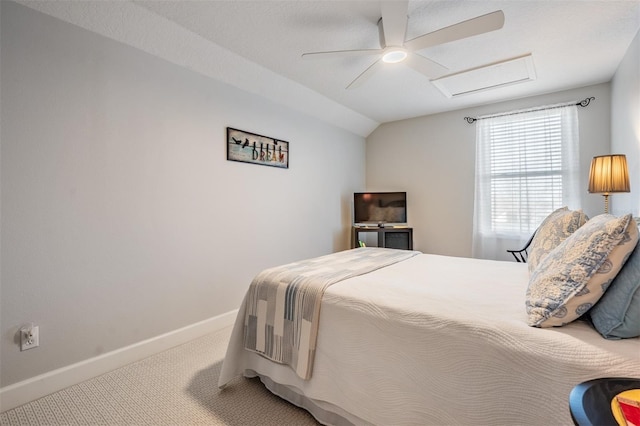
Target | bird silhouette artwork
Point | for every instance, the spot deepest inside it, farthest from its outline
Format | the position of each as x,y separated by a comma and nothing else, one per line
257,149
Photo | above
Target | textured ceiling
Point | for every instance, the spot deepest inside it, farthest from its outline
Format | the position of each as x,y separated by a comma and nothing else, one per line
257,45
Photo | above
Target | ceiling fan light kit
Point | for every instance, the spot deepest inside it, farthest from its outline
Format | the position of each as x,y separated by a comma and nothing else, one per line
393,56
392,28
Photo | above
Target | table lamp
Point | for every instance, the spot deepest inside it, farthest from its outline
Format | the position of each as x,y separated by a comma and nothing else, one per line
608,174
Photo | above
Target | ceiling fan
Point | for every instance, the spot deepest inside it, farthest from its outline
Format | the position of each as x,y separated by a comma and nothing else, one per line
392,28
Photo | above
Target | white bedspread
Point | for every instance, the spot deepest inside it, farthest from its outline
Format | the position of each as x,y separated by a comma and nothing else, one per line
439,340
282,305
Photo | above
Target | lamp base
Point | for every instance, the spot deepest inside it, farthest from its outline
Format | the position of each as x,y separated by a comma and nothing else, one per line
606,203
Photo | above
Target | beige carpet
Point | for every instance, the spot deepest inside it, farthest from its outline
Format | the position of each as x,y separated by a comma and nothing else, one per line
176,387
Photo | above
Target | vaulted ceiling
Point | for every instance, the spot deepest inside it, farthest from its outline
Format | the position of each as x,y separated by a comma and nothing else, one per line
543,46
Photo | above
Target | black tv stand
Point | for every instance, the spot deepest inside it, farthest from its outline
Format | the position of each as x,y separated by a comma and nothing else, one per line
397,237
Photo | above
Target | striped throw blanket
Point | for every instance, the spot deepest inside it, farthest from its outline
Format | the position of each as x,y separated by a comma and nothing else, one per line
283,303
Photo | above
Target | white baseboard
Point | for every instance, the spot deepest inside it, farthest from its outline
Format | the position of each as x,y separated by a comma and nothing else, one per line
36,387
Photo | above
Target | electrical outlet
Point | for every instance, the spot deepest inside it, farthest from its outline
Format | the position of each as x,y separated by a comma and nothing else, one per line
29,337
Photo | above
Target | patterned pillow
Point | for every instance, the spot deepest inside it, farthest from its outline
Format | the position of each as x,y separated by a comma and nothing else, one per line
551,232
617,314
575,275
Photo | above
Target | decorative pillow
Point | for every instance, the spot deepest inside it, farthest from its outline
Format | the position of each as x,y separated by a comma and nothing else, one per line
551,232
575,275
617,314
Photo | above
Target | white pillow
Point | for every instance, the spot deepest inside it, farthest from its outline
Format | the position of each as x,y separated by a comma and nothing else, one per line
553,230
575,275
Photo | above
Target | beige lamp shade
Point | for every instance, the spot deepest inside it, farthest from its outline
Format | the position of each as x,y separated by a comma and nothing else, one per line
609,174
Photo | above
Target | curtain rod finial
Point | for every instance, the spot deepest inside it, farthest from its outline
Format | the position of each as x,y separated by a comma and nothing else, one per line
470,120
585,102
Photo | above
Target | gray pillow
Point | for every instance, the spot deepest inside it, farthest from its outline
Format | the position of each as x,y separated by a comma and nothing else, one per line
617,314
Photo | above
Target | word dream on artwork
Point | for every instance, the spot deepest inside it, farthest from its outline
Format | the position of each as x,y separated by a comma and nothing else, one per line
256,149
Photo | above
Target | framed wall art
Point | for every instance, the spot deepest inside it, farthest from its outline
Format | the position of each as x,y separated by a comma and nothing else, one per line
256,149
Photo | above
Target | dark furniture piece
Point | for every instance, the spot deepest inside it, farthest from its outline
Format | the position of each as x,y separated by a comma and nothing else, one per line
388,237
590,402
522,254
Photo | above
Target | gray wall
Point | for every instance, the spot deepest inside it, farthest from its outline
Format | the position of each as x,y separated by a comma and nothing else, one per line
433,159
121,217
625,125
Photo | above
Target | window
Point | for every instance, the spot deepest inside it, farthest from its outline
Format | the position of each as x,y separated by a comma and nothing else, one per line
526,167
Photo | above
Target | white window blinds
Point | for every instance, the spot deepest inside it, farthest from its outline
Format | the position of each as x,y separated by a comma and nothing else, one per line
526,167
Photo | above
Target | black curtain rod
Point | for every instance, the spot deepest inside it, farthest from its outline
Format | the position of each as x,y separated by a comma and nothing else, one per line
583,103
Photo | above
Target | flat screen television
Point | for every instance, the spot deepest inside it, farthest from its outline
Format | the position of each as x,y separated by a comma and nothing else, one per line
380,208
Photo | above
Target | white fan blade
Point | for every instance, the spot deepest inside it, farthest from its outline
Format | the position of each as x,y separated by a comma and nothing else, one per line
425,66
394,22
341,53
365,75
482,24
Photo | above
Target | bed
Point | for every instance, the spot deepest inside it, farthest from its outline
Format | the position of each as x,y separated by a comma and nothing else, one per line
432,340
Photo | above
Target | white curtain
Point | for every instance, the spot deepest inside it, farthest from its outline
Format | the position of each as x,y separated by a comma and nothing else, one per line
526,167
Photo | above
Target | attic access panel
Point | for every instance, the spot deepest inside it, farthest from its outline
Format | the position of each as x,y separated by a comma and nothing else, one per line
492,76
